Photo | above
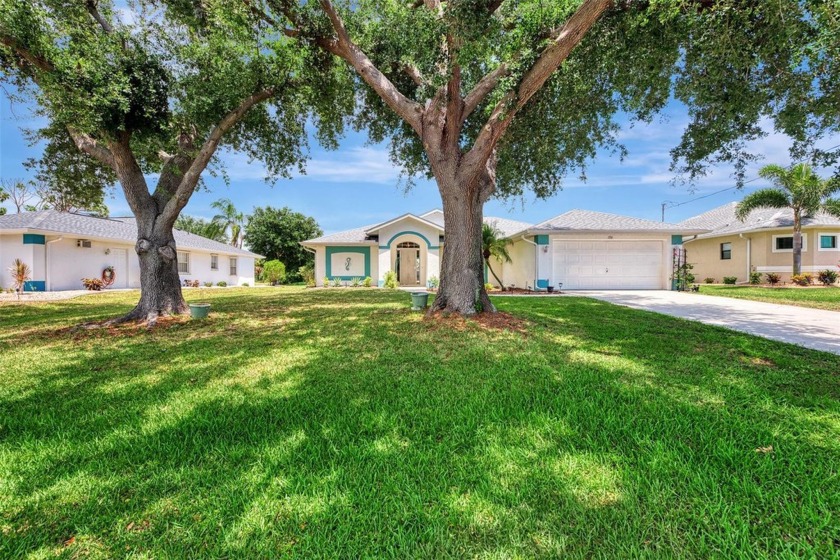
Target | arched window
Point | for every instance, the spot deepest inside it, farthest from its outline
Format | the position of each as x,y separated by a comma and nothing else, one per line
408,245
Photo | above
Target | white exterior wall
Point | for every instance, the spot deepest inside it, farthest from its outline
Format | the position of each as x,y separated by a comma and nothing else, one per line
520,271
200,268
320,265
62,265
426,236
11,248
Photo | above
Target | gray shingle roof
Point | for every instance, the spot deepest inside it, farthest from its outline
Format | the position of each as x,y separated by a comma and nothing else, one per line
359,235
722,220
117,229
588,220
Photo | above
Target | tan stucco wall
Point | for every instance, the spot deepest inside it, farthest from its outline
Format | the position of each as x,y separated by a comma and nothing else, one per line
704,254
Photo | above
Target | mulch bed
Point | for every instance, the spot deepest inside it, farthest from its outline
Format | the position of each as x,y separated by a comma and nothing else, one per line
499,321
524,292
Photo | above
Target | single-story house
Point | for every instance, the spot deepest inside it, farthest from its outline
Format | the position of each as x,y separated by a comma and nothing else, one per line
761,243
61,248
580,249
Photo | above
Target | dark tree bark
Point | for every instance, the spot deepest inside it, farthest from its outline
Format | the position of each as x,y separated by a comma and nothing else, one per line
160,283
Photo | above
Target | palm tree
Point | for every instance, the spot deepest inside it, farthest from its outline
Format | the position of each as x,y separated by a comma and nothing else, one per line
494,245
799,189
231,219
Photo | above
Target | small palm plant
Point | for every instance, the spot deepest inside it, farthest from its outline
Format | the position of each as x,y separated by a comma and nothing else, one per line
494,245
21,274
799,189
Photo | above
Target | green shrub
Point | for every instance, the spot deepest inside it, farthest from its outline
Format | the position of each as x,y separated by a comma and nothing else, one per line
326,281
391,280
367,282
245,284
488,287
433,282
336,282
208,284
773,278
730,280
755,278
221,284
827,277
709,280
804,279
273,272
356,282
307,274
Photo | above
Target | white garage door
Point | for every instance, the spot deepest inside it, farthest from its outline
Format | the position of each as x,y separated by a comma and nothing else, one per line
608,265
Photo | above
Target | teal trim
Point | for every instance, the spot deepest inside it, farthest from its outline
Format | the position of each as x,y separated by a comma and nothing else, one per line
541,239
338,249
485,272
34,239
35,286
676,240
407,232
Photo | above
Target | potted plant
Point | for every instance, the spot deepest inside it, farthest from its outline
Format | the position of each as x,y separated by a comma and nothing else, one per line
199,310
419,300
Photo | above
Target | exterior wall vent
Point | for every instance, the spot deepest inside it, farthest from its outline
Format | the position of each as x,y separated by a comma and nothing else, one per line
85,243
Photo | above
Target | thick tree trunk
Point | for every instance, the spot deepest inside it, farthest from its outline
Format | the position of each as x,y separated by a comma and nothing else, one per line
160,284
462,266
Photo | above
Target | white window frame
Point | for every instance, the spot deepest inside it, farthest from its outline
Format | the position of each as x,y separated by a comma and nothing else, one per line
233,265
214,262
835,235
183,258
804,243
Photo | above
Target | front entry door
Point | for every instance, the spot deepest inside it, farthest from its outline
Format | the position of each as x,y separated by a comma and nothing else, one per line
408,265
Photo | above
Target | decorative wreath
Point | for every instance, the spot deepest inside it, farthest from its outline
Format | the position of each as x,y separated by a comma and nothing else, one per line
108,276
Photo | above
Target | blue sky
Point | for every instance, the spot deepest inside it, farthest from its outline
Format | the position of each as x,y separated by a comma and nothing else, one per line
357,185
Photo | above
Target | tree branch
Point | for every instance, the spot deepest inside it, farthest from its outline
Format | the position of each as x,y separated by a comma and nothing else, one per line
36,61
564,40
410,111
85,143
92,9
199,163
482,89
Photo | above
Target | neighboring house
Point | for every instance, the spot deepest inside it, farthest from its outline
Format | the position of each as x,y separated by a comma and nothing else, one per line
581,249
61,248
761,243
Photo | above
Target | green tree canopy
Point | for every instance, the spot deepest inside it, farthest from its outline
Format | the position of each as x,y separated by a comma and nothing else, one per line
211,229
276,234
158,95
495,98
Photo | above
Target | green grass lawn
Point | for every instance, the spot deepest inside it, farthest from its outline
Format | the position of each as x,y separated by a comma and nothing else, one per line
819,298
335,423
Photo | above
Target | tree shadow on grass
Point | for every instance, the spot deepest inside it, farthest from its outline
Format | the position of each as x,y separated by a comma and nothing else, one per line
343,426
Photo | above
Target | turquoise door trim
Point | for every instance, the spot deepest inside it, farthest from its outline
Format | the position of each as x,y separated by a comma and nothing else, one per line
541,239
34,239
348,249
408,232
35,286
676,240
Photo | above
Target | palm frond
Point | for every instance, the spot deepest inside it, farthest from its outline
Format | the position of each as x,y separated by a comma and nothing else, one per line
832,206
763,198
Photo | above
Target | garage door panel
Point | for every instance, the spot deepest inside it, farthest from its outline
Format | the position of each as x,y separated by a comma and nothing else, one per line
608,264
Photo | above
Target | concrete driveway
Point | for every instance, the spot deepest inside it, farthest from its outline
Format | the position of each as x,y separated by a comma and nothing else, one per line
813,328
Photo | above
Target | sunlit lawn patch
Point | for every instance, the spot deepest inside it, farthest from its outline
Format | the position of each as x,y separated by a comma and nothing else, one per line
339,424
817,296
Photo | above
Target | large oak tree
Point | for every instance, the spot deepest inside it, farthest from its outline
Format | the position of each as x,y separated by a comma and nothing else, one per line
153,96
493,97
